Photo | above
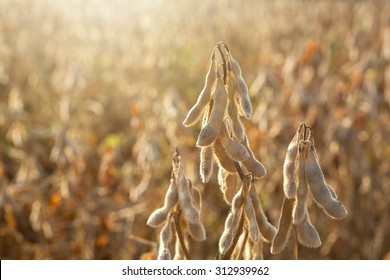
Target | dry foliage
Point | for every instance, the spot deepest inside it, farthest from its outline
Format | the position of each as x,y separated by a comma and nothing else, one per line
92,101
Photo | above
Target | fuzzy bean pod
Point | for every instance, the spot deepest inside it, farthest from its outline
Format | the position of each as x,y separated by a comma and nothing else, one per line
223,158
284,226
163,254
211,130
228,182
251,163
196,196
241,89
234,149
196,111
165,238
289,186
307,234
197,231
321,192
160,214
267,230
300,181
232,109
231,224
206,163
332,192
253,227
185,199
175,165
228,234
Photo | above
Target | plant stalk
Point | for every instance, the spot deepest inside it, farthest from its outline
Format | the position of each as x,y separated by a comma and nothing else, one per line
176,219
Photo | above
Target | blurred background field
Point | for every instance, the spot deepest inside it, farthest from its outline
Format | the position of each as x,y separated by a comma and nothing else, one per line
93,95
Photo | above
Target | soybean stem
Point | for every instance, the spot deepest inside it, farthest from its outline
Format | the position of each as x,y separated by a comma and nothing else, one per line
239,170
295,243
243,244
176,219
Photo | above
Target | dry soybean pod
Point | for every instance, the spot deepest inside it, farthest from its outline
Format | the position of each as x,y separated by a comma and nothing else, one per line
234,149
232,109
332,192
307,234
251,163
211,130
231,224
160,214
206,163
237,201
320,191
221,180
221,174
204,97
253,227
284,227
241,87
197,231
165,238
223,158
300,181
243,100
163,254
175,164
195,195
267,230
185,199
289,186
228,184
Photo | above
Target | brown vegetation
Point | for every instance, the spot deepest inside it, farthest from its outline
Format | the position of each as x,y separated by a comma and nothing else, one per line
93,97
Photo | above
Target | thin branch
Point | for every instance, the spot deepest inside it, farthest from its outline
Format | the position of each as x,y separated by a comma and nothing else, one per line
243,244
142,240
176,219
295,243
239,170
